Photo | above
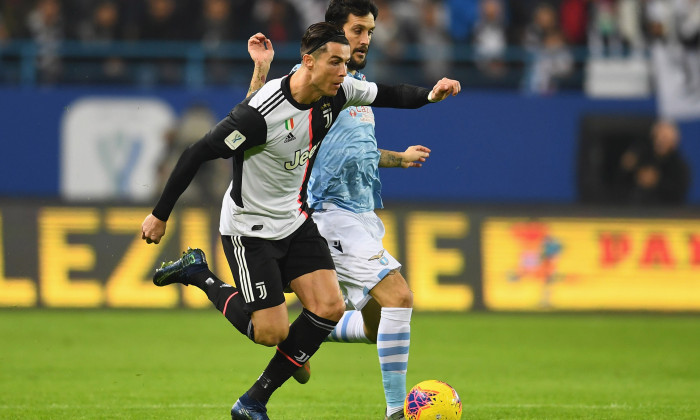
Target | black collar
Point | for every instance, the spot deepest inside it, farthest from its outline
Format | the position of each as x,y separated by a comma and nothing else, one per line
287,92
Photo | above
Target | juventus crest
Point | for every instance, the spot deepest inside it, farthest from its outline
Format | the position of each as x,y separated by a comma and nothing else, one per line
328,115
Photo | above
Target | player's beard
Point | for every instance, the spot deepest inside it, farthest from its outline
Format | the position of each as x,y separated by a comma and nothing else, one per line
357,65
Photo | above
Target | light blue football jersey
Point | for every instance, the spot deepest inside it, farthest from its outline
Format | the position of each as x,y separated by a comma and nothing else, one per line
346,171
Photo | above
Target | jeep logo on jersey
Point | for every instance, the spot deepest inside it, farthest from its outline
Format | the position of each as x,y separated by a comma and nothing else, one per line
300,158
234,140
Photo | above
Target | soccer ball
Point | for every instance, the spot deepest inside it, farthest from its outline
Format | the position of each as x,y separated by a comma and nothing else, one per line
432,400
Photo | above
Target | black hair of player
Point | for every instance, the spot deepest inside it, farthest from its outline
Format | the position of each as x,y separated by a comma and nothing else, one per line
318,35
339,10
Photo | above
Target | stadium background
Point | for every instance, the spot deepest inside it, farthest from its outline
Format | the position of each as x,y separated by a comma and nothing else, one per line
535,296
497,219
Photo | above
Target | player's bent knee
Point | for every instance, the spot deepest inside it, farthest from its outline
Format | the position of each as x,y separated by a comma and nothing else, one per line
393,292
404,299
398,299
269,340
271,336
332,310
339,310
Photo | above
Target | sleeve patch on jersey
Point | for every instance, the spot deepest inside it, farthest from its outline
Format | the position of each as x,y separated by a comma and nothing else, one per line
234,140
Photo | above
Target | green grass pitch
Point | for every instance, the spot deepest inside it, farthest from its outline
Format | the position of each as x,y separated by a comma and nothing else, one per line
119,364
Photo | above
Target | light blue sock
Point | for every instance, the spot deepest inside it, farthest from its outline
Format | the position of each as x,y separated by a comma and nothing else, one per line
393,342
350,329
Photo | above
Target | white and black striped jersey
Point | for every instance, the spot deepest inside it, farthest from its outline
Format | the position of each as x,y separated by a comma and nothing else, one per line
273,146
272,140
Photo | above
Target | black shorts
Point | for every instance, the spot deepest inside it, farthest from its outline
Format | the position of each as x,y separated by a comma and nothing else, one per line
263,268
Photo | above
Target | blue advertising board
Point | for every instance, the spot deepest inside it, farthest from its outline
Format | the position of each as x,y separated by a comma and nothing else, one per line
486,146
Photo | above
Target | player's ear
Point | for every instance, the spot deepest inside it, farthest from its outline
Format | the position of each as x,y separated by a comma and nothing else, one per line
308,61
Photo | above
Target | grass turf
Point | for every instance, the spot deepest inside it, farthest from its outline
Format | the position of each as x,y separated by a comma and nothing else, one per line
193,365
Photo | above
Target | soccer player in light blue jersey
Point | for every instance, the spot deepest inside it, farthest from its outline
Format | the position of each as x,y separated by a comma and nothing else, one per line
344,190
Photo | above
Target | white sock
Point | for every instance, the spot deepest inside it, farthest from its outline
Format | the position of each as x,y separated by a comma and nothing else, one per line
393,341
350,329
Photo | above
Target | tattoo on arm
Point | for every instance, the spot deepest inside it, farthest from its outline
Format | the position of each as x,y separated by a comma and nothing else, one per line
258,79
389,159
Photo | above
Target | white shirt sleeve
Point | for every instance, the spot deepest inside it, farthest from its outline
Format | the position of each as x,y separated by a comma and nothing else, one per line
358,92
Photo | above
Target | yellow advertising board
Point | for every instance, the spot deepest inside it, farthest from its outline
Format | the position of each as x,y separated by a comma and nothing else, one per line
75,273
58,256
93,256
589,264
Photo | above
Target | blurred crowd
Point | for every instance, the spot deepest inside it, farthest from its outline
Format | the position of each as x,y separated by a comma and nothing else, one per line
549,36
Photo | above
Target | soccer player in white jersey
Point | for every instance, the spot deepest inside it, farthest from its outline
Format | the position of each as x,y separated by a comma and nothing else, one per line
269,239
344,190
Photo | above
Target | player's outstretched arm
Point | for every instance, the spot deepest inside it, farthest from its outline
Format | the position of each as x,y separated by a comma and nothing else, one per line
243,128
413,157
153,227
408,96
262,53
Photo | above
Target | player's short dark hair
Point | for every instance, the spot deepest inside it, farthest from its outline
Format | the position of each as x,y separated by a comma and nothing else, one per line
339,10
318,35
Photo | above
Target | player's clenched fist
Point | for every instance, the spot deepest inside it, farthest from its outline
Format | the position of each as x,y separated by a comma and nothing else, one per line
152,229
444,88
